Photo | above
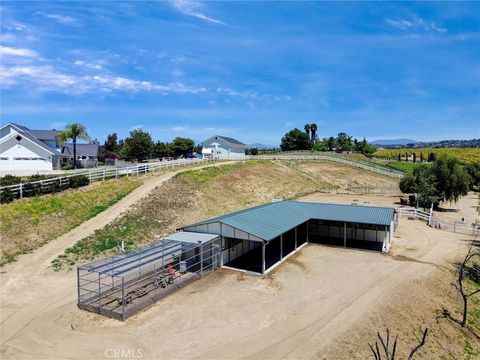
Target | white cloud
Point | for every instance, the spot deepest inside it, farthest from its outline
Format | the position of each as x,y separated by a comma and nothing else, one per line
234,93
61,19
289,124
10,51
185,129
415,23
90,65
7,37
193,8
46,78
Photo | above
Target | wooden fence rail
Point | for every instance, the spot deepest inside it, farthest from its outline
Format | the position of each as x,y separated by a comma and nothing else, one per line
100,175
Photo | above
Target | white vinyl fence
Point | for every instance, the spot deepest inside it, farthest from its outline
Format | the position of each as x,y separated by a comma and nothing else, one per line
437,223
103,174
370,166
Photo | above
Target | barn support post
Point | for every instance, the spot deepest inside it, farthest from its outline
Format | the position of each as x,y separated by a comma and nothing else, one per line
296,237
281,247
263,258
345,235
307,230
201,260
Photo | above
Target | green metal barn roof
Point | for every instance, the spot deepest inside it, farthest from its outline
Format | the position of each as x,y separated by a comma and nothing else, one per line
273,219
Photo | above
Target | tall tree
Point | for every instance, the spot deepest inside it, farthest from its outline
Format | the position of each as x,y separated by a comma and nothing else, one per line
313,129
138,145
445,180
75,131
331,143
182,146
307,129
111,143
295,140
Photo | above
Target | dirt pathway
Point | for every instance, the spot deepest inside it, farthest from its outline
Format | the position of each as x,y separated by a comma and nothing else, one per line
41,258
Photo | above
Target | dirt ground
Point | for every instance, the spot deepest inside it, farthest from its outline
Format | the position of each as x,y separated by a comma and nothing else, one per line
304,309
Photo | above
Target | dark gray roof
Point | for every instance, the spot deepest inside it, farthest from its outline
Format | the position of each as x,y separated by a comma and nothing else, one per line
82,149
26,134
273,219
45,134
228,139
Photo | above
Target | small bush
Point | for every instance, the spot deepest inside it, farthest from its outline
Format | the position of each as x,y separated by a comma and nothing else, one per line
31,189
67,167
10,180
101,163
78,181
7,196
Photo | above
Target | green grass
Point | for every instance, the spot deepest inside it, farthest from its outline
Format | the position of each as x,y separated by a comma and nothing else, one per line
402,165
202,176
29,223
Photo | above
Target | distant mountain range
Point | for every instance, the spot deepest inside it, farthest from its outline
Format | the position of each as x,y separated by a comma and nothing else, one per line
260,146
393,142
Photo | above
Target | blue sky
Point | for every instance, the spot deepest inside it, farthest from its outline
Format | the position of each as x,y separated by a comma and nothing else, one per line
250,70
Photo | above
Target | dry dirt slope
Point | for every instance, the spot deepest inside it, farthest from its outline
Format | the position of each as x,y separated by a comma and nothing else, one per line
198,194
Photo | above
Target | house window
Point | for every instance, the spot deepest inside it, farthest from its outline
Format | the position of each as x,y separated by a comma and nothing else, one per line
3,158
29,158
18,138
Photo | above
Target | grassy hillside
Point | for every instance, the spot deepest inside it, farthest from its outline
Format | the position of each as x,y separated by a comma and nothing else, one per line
31,222
198,194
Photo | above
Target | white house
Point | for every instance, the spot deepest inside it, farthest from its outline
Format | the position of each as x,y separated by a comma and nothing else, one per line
222,147
25,149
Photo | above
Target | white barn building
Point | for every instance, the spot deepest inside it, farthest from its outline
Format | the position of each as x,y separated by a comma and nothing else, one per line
222,147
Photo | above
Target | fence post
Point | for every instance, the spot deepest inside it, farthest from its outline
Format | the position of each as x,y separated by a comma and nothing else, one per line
137,168
90,176
21,190
116,172
430,216
146,167
103,175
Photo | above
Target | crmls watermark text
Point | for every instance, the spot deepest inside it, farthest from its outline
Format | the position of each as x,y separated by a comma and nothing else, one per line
123,353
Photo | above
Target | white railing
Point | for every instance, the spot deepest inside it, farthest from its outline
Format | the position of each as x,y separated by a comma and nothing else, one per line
437,223
357,163
18,190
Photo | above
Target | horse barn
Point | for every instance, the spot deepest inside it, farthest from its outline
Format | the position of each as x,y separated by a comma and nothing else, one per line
253,240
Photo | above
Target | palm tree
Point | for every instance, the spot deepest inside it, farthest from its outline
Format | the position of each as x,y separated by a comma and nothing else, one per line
74,131
307,129
313,128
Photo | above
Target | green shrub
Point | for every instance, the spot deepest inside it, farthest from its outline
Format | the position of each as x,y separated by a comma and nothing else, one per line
67,167
101,163
10,180
78,181
7,196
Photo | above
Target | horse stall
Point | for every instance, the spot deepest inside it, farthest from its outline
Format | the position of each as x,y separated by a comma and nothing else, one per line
121,286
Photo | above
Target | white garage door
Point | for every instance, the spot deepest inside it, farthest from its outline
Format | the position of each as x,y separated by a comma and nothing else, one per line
31,163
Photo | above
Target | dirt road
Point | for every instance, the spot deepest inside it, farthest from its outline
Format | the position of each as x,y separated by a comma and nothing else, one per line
296,312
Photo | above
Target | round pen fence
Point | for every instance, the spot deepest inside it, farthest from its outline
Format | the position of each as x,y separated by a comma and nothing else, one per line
121,286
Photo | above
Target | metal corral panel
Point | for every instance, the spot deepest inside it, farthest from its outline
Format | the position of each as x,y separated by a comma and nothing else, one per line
273,219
